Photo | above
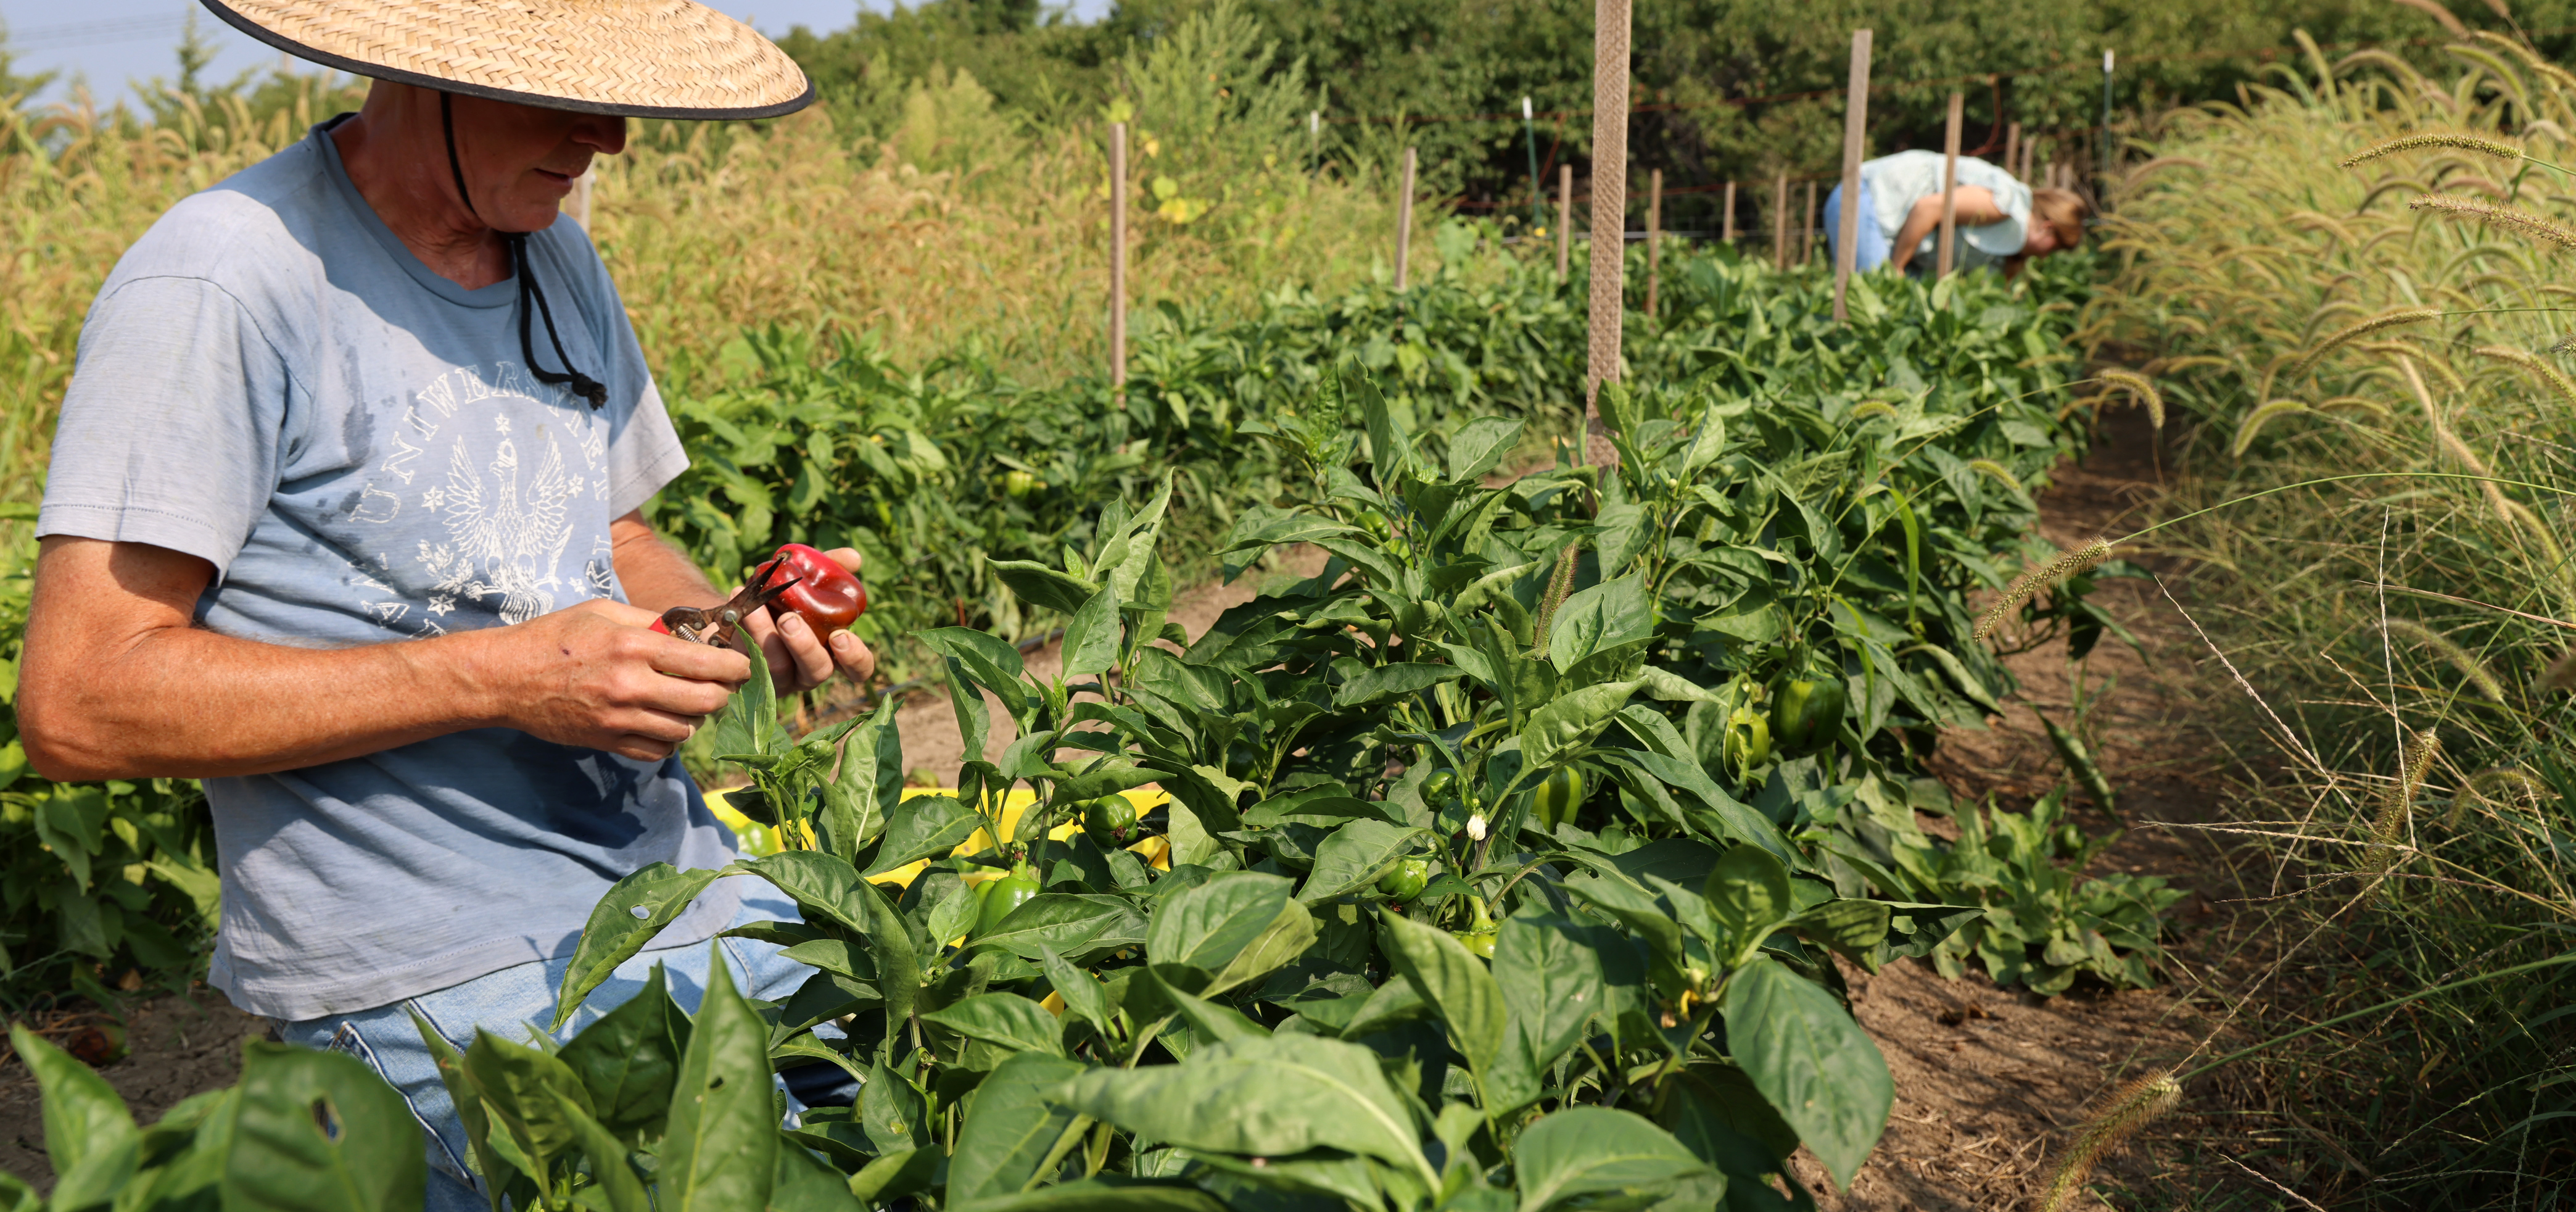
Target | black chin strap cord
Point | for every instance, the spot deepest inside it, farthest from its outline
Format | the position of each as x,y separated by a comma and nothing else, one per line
573,380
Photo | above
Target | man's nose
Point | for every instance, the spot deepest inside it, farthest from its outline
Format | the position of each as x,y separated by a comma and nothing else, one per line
604,134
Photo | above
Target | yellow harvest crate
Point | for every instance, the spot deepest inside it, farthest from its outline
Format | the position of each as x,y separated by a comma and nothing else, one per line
757,839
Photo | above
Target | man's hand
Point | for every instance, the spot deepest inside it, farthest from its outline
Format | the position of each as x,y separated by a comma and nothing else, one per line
801,660
595,675
657,577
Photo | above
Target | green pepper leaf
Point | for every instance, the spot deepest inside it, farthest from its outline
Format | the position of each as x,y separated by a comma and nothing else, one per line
319,1130
1010,1127
1595,1151
722,1149
1005,1019
635,909
1811,1062
1456,984
626,1060
1266,1097
90,1137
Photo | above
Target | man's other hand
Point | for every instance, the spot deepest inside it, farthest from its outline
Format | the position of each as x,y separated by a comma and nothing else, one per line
799,658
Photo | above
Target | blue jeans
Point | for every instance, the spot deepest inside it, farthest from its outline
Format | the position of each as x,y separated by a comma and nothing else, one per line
518,1000
1872,244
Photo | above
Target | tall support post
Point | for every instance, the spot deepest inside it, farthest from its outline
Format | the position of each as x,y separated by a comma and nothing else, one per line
1529,134
1609,216
2102,154
1118,260
1404,223
1807,240
1727,224
1780,222
2012,154
1949,254
1314,141
1654,238
1855,129
1564,220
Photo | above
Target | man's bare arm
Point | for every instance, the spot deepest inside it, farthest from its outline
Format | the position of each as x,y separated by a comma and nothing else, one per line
657,576
117,682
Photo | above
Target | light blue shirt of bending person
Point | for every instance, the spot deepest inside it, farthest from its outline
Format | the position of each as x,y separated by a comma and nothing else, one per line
1890,186
1897,182
272,382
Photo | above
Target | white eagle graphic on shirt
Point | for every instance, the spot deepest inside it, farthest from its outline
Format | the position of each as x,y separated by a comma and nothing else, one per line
507,528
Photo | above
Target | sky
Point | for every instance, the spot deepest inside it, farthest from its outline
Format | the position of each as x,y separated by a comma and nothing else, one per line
116,42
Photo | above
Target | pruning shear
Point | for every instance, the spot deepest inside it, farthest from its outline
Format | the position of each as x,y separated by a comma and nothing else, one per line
717,626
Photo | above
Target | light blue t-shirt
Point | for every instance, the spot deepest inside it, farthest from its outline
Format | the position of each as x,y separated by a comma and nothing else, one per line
1896,182
271,381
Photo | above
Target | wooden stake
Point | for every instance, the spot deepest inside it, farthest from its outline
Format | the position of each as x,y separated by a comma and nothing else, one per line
1654,237
2012,153
1404,223
1855,128
1609,217
1118,259
1949,251
1807,243
1564,219
1780,223
1729,221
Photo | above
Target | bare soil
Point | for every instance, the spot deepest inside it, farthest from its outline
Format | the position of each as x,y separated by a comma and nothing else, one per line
176,1047
1989,1080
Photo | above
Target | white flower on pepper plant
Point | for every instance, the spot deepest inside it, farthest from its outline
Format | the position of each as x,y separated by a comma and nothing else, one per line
1476,827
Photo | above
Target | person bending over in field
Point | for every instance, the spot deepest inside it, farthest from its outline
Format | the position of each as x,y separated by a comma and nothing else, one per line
2001,221
344,518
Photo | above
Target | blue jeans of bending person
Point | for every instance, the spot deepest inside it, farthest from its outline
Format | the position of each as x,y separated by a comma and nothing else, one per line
516,1001
1871,245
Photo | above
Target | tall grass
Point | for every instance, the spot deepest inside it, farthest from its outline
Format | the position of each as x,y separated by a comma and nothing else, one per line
2314,320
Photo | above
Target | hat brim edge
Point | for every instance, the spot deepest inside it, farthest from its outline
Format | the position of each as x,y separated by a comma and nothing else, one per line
378,71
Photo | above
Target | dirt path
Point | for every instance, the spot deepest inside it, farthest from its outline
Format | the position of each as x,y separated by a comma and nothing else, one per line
177,1049
1989,1080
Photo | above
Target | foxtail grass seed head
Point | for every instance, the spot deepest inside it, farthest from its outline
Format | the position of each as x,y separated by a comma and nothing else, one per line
1559,584
2388,828
2130,1108
2488,685
2144,390
2496,787
2412,765
2523,222
2071,563
2385,319
2456,140
1994,471
2546,373
1872,409
2252,426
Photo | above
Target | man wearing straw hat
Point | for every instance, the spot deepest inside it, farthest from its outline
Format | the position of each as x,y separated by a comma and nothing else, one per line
370,390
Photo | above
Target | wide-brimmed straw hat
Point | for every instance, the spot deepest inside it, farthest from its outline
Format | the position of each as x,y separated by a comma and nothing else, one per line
636,58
